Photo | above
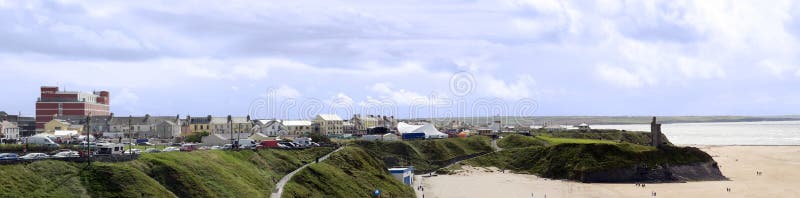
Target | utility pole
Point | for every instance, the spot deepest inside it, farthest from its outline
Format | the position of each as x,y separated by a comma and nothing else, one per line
230,127
88,133
130,129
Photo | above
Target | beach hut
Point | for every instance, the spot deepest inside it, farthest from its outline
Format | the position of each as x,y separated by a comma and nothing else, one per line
404,174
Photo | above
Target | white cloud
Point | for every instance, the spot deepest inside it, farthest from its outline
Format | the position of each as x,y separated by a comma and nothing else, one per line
124,97
341,100
287,92
523,87
404,97
619,76
776,69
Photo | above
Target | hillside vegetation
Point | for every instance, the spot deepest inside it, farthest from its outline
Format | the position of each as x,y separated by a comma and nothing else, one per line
178,174
634,137
425,155
574,160
351,172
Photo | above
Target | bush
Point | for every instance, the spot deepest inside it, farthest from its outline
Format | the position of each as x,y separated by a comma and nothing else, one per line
196,137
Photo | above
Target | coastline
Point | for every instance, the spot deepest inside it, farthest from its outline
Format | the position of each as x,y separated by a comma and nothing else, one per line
738,163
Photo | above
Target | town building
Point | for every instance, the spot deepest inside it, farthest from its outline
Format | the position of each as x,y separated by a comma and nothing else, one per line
161,127
220,125
363,124
298,128
330,124
199,125
61,125
10,131
54,102
273,127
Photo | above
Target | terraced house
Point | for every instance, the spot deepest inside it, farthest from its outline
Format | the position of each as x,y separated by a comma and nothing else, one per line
329,124
219,125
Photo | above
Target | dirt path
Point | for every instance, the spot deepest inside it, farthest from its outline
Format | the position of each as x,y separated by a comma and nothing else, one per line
279,186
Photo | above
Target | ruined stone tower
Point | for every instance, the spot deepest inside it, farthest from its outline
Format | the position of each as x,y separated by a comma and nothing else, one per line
655,133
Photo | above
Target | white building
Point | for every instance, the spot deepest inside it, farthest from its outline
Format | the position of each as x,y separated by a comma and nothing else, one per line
10,130
330,124
272,127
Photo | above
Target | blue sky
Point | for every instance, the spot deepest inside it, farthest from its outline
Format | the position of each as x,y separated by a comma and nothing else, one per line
293,59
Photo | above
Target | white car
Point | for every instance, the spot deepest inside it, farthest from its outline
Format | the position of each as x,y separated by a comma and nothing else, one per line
134,151
33,156
171,149
66,154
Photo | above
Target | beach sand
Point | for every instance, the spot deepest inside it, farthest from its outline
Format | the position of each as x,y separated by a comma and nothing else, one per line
780,166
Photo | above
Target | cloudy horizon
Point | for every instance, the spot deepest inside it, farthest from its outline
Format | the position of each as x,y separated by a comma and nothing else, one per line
549,57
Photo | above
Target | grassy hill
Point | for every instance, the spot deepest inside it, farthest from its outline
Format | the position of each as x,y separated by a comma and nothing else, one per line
351,172
178,174
634,137
425,155
574,160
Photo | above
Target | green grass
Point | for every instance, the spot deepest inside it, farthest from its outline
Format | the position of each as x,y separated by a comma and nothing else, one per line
568,160
557,141
425,155
351,172
173,174
518,141
633,137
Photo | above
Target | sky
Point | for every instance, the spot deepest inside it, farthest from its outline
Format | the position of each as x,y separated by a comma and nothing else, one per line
295,59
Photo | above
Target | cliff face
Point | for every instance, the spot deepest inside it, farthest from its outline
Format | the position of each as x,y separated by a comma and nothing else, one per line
702,171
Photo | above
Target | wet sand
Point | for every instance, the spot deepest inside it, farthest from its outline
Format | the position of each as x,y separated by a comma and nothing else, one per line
780,166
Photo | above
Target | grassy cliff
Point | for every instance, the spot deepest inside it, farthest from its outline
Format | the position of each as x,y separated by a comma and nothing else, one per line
195,174
425,155
351,172
633,137
574,160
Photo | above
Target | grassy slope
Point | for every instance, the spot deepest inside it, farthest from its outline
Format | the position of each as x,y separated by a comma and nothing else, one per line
196,174
570,160
425,155
633,137
351,172
518,141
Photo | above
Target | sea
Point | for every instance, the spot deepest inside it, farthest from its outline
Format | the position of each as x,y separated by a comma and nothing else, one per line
724,133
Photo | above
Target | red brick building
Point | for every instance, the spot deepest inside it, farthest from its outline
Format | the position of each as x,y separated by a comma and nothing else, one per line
54,102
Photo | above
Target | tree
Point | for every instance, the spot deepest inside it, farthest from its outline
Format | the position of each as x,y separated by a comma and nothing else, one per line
196,137
319,138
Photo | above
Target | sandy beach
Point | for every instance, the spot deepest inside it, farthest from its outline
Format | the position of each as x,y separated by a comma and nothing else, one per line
780,166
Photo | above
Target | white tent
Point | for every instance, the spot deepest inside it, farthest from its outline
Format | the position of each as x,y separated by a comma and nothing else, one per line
63,133
429,130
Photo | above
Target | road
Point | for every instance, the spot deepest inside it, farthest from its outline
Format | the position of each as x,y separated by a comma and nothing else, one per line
279,186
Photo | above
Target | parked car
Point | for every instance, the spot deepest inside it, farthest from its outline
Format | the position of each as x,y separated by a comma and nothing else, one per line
134,151
9,156
188,147
286,145
171,149
203,148
226,147
216,147
41,140
67,154
152,150
34,156
145,144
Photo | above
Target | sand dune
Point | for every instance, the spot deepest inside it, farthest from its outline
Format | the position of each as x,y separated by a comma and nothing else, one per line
780,164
